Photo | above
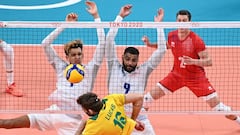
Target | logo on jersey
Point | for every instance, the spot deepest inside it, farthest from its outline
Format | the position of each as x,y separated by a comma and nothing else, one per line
172,44
34,7
210,88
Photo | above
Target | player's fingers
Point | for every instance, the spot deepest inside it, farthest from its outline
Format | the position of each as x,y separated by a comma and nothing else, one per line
160,11
129,6
88,3
73,16
144,38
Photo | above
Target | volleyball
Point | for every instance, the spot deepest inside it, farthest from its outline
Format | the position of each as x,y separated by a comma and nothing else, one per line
74,73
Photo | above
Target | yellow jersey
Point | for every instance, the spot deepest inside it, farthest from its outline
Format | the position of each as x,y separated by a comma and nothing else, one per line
112,119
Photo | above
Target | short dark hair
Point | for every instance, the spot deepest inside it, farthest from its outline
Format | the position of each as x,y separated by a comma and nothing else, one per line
131,50
90,101
184,12
72,44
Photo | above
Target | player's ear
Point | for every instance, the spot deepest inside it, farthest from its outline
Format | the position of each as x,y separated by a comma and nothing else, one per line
91,111
123,57
67,57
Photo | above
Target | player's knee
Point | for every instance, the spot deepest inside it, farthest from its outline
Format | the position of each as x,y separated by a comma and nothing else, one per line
157,93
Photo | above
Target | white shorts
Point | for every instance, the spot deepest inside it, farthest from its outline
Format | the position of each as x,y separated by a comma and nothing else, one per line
64,124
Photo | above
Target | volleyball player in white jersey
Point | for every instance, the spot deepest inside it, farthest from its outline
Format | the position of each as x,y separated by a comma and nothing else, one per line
66,94
8,54
128,77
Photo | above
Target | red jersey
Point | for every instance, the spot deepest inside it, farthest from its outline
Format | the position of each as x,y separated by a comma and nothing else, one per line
190,46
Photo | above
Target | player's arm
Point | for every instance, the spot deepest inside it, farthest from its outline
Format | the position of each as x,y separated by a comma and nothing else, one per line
203,61
46,43
81,127
99,52
137,101
110,48
157,55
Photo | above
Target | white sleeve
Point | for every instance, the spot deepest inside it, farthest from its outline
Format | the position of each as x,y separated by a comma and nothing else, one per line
46,44
100,49
98,56
110,43
157,55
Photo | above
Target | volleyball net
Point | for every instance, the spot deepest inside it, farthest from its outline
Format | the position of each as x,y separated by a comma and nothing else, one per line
36,77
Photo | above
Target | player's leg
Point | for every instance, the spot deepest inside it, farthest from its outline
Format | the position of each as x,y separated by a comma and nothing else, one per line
220,106
202,88
164,87
19,122
8,54
64,124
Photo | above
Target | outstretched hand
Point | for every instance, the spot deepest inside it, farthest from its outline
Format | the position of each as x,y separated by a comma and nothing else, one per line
71,17
125,10
92,8
145,40
159,16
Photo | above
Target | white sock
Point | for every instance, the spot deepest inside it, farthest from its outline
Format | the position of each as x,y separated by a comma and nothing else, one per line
238,120
10,78
222,107
148,98
8,53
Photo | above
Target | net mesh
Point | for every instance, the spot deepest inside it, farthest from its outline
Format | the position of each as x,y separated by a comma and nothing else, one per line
36,77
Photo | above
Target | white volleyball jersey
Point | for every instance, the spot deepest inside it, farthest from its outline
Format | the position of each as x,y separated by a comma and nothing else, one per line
120,81
66,93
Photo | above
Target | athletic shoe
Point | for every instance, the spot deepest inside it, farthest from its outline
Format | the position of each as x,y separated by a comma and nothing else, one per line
12,89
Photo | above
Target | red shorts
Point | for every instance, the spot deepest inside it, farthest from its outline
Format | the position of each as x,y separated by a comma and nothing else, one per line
199,86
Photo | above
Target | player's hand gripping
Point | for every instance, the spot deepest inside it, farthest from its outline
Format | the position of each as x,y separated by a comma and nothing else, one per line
139,126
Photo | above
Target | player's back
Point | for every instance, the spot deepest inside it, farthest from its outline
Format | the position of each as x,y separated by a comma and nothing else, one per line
111,120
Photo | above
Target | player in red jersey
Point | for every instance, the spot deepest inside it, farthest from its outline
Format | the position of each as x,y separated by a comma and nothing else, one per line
190,58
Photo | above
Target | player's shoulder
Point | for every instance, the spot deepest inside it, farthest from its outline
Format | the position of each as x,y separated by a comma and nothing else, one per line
194,35
114,96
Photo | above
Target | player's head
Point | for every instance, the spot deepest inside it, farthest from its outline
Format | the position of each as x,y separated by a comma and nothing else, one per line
130,59
73,51
90,103
183,16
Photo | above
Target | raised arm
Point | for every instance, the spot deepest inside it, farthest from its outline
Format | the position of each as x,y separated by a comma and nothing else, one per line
110,48
100,49
157,55
46,43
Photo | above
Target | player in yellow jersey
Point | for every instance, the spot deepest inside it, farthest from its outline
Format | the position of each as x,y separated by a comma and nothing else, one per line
107,116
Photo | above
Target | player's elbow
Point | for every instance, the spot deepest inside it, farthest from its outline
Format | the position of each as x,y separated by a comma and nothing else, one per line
139,100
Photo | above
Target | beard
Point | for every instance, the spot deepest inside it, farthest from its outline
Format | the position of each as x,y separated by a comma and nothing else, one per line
129,69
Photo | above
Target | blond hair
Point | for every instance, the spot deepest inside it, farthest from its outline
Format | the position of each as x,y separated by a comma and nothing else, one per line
73,44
